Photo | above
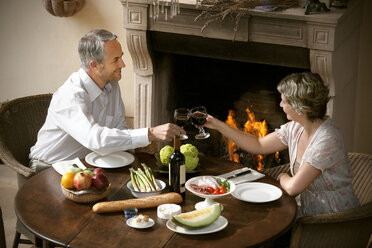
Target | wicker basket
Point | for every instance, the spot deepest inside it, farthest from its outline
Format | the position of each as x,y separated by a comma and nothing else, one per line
86,196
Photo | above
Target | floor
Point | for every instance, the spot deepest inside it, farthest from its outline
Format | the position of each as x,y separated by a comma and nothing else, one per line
8,190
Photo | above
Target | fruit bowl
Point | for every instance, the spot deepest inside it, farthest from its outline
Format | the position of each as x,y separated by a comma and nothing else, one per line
209,199
86,196
139,194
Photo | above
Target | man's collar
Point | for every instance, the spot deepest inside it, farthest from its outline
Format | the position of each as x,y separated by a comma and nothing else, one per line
91,87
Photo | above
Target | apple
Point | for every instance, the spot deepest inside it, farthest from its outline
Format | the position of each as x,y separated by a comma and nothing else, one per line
82,180
100,181
100,171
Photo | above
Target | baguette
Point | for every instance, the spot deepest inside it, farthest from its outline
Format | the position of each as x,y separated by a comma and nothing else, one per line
145,202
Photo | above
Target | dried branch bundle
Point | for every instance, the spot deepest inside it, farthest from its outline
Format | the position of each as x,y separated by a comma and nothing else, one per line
218,10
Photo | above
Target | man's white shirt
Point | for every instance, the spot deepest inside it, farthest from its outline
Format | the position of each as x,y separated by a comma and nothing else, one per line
83,118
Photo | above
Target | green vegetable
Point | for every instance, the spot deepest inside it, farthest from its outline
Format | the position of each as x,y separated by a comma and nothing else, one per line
165,154
224,183
143,180
188,150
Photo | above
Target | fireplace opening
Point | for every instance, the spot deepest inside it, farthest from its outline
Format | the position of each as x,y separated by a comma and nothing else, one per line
221,85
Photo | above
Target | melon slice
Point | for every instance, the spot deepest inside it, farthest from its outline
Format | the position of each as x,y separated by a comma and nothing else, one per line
199,218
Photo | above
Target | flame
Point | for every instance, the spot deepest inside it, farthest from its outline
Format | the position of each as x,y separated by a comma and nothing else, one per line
231,146
277,158
257,128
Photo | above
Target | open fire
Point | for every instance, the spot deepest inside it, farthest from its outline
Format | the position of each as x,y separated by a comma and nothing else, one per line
252,126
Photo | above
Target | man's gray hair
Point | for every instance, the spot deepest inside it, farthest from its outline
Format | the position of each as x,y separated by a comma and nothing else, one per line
91,46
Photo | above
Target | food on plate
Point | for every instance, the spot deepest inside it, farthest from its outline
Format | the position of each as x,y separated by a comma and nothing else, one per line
165,154
167,211
189,148
199,218
190,152
90,172
140,220
67,180
145,202
75,170
82,180
209,185
100,171
143,180
100,181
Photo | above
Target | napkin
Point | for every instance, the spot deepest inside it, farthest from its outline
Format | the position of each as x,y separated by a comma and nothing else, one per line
254,175
64,166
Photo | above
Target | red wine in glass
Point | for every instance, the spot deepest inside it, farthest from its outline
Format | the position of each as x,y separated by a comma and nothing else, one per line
181,118
198,117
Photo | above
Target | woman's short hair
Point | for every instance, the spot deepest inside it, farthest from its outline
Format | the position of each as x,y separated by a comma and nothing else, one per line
305,93
91,47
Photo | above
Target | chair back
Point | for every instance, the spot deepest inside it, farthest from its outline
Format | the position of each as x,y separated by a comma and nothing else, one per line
362,183
20,121
2,232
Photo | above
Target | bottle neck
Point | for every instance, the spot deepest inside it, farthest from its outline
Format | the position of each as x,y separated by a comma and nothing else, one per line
176,143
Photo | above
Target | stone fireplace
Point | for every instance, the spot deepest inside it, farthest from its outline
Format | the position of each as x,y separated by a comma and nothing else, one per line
166,52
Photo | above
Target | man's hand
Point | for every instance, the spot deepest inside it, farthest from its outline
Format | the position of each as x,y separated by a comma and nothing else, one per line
165,132
150,149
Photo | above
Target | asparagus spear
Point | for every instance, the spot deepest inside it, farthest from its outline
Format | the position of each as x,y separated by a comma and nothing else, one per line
134,181
142,177
148,181
140,184
150,175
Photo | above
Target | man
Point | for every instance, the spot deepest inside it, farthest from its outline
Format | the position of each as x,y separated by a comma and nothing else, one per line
87,113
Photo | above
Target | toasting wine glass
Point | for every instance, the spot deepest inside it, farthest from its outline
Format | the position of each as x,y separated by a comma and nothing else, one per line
181,118
198,117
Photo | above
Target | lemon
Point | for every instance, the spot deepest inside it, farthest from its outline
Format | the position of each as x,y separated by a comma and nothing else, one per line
67,180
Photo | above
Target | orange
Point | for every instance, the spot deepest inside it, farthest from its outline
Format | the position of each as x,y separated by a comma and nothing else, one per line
68,180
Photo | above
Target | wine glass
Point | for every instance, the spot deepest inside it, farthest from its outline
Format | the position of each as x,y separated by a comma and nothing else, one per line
198,117
181,118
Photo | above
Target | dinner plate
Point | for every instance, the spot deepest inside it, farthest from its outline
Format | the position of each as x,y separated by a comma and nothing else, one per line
131,224
257,192
216,226
112,160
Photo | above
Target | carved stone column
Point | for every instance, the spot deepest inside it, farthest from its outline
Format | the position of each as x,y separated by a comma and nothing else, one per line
135,23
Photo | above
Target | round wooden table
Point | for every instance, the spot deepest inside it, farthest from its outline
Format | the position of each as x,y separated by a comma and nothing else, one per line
44,210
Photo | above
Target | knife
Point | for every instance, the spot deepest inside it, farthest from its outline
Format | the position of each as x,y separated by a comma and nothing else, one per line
239,174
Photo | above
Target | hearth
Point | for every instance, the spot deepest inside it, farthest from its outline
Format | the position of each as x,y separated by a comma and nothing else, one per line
173,55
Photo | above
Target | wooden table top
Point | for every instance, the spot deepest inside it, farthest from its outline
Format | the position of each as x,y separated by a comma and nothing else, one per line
44,210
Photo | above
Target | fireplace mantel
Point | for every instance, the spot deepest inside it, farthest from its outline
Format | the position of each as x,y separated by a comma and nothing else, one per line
332,39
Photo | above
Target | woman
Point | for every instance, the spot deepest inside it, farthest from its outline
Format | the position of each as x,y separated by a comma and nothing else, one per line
321,174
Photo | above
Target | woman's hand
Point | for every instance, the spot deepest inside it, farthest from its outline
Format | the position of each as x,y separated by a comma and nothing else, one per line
298,183
211,122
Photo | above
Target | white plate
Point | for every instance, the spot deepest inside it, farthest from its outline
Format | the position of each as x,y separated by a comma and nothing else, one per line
113,160
216,226
130,223
257,192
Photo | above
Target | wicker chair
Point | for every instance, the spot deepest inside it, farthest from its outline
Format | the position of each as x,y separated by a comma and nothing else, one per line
20,121
2,232
350,228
